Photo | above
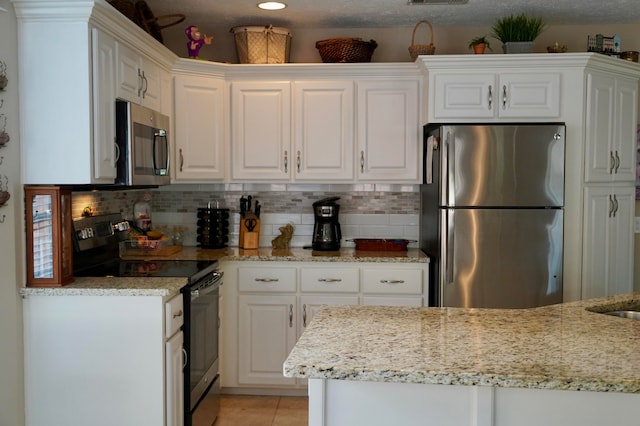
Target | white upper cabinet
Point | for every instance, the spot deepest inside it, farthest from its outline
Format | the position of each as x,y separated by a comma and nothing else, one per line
138,78
388,132
199,136
261,130
611,128
323,130
494,95
68,53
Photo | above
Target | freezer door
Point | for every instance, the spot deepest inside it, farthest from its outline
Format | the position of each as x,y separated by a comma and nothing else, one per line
503,165
501,258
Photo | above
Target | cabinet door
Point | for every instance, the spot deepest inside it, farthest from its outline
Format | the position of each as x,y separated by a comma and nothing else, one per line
104,121
324,140
309,306
199,133
128,75
388,131
625,130
174,380
267,333
611,128
528,95
599,128
462,96
608,241
152,76
261,131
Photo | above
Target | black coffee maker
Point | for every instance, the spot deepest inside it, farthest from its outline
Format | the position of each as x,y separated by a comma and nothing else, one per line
326,232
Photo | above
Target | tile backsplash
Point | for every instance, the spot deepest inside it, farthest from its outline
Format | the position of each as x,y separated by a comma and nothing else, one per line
390,211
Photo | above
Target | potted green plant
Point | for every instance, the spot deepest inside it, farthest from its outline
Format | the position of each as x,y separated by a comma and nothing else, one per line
479,44
517,32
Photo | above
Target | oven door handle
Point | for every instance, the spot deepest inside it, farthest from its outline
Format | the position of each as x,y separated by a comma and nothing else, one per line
208,288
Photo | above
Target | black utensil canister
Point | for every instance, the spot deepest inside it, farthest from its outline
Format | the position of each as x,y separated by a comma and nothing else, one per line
213,228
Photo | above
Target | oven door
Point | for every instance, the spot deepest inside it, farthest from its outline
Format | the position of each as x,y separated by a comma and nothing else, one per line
202,384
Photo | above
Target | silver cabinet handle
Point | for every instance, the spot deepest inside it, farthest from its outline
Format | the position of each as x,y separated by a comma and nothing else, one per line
504,97
361,161
298,161
140,82
146,85
615,204
181,159
490,96
392,281
290,316
184,357
116,150
610,205
329,280
617,161
612,162
178,314
286,161
304,315
267,280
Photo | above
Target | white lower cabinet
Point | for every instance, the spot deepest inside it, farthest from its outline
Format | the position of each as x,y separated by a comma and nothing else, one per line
267,335
268,305
103,360
608,216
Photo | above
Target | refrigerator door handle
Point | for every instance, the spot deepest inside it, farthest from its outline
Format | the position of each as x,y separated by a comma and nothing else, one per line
449,170
449,245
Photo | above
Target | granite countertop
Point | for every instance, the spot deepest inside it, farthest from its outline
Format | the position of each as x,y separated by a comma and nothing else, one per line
267,254
564,347
150,286
112,286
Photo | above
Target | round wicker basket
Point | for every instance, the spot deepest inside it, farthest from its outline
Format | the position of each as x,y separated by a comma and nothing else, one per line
421,49
346,49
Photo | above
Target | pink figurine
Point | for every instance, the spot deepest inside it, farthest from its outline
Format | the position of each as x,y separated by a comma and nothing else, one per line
196,40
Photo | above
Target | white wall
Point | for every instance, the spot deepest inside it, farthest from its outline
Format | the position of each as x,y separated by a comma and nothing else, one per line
11,248
393,43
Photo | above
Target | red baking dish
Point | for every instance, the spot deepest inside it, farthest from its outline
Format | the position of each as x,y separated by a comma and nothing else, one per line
381,244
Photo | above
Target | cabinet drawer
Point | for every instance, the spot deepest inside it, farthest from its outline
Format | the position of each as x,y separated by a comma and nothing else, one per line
267,279
174,315
342,280
392,281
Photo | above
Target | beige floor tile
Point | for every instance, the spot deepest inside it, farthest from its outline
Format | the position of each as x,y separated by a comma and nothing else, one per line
236,410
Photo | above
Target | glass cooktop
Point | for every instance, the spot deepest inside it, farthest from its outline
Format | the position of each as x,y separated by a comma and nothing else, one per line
148,268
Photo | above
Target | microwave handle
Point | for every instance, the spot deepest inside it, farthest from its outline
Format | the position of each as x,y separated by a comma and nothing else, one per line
163,136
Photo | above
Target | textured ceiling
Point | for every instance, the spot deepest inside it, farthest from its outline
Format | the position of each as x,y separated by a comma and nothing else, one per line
395,13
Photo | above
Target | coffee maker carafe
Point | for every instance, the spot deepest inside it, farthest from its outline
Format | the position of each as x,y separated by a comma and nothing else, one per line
326,231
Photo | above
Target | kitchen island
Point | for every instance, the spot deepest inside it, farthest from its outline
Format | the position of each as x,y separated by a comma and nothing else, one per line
555,365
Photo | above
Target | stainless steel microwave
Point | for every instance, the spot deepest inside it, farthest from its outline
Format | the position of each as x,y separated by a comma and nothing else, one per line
142,138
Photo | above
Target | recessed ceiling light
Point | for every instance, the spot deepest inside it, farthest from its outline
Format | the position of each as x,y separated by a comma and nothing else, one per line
271,5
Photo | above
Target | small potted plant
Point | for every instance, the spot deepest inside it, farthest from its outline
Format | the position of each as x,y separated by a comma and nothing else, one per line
479,44
517,32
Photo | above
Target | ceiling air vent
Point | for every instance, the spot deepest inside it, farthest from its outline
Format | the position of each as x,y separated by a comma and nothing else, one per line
438,1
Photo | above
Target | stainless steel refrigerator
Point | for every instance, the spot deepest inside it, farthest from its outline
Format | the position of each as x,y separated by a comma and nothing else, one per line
492,214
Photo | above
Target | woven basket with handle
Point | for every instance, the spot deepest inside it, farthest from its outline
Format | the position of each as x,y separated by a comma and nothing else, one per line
421,49
346,49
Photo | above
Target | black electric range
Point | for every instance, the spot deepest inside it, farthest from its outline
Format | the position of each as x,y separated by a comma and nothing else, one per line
97,253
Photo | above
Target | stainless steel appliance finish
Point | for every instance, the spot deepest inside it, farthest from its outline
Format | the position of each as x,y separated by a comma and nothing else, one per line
326,231
142,138
201,372
492,214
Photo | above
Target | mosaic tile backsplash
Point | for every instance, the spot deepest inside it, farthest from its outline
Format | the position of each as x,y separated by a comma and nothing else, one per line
363,214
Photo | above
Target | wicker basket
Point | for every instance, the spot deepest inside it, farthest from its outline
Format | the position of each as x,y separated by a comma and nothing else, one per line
421,49
346,49
262,45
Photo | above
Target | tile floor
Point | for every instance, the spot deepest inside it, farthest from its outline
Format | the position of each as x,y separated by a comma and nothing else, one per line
236,410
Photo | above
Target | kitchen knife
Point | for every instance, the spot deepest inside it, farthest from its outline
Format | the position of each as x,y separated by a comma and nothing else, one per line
249,198
243,206
257,209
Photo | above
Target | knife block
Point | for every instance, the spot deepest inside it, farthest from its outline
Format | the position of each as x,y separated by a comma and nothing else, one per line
249,239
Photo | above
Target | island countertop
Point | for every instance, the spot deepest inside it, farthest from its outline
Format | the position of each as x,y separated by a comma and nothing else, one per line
563,347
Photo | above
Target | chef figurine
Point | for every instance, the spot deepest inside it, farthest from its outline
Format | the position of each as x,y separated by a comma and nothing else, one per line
196,40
